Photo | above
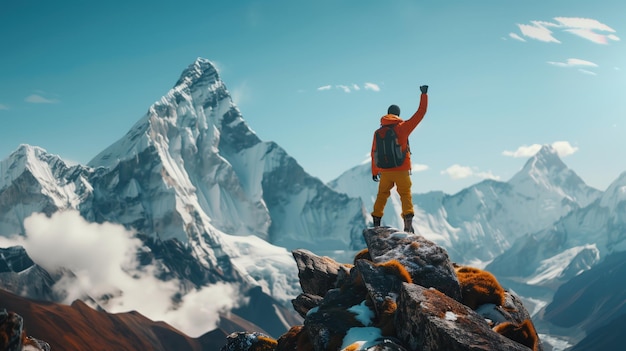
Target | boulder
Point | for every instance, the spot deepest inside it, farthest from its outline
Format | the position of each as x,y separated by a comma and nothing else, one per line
429,320
427,263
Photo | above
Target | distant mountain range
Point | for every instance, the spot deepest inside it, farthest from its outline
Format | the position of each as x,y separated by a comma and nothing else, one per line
212,203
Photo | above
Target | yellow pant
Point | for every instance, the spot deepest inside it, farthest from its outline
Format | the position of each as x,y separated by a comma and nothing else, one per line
402,181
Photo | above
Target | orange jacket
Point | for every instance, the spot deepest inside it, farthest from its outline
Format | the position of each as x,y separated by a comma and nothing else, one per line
403,129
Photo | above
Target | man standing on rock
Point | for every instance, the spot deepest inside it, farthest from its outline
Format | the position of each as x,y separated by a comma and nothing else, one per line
391,159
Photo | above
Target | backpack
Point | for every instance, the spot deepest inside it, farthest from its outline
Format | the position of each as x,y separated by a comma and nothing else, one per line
388,153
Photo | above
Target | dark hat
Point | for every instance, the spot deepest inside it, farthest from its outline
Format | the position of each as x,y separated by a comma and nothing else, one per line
394,110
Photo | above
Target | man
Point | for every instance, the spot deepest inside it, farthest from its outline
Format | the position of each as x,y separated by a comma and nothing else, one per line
399,173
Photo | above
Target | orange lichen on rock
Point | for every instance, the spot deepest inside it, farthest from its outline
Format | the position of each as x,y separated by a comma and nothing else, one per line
385,318
363,255
264,343
479,287
523,333
414,245
352,347
295,339
396,268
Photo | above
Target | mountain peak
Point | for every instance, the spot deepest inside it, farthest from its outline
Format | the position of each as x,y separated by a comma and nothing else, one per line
201,71
24,157
545,164
546,173
547,158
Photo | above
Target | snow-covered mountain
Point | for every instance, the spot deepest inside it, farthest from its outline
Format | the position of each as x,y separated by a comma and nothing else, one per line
482,221
203,165
33,181
573,244
191,171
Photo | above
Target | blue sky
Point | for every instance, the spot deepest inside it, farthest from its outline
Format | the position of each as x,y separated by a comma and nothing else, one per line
316,76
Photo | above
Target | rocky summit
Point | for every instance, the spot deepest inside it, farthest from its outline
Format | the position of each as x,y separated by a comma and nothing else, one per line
402,292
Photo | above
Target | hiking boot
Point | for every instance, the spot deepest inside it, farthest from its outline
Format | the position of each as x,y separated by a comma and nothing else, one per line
408,223
376,221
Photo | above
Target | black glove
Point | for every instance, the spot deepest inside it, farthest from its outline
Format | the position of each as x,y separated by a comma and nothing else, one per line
375,177
424,89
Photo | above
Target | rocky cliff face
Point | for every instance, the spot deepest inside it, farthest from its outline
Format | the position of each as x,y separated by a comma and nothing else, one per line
20,275
401,293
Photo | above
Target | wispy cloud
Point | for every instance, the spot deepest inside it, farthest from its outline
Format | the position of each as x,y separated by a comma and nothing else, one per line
584,71
4,107
576,63
563,148
371,86
348,88
539,31
38,99
457,171
516,37
586,28
345,88
573,62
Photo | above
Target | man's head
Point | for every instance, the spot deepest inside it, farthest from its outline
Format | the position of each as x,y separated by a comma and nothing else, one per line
394,110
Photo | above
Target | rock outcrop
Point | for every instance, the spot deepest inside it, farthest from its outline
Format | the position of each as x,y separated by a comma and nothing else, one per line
401,293
13,335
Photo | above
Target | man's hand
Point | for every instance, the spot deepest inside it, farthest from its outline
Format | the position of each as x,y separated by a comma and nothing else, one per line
424,89
375,177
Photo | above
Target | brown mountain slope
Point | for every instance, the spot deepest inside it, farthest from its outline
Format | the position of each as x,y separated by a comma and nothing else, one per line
79,327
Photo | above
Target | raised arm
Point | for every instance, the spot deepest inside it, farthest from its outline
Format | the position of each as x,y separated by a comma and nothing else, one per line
417,117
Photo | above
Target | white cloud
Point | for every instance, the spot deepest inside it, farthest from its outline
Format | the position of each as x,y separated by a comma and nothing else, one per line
523,151
199,310
516,37
537,31
583,23
457,171
586,28
589,35
588,72
345,88
416,167
4,107
103,258
348,88
563,148
573,62
372,87
38,99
